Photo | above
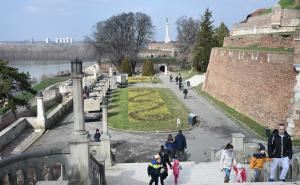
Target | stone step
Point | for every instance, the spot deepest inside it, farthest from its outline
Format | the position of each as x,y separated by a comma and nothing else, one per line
21,143
191,174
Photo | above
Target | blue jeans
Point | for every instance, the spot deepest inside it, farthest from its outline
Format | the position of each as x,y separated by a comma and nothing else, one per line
257,173
227,173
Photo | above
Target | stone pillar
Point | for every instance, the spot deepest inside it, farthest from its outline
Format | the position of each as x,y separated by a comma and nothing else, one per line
238,146
110,71
79,144
41,116
105,137
95,74
166,69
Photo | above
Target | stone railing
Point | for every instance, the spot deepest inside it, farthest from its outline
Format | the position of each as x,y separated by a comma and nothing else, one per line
97,172
28,168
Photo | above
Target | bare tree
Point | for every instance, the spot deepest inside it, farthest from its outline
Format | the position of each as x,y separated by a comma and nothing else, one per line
122,36
187,29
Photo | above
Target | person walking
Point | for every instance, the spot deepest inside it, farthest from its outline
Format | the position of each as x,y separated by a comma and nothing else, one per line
164,161
170,146
227,161
280,150
180,145
154,170
97,136
176,170
240,173
180,82
176,79
171,78
257,162
188,83
185,92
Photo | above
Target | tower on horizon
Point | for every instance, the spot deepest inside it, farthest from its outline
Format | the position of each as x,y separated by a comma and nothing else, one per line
167,35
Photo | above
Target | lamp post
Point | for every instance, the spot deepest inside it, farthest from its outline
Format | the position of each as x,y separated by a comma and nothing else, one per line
79,144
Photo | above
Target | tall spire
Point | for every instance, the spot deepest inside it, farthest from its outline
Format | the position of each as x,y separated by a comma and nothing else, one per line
167,35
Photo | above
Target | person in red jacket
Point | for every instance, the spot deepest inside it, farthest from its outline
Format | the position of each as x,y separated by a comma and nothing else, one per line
240,173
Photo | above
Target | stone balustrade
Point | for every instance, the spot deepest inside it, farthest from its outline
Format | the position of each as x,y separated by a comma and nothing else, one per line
28,168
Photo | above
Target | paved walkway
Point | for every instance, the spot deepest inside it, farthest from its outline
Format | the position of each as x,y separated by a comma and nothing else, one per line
139,147
216,130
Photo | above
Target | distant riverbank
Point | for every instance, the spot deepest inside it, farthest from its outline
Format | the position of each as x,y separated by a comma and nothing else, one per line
41,69
43,51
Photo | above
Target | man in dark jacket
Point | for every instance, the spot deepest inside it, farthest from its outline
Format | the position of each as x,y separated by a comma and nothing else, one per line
180,144
280,150
164,161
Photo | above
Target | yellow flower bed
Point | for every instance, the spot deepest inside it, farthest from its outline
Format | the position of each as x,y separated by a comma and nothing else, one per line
147,105
140,79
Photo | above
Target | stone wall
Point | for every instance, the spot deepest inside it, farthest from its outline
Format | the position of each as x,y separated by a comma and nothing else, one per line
278,40
257,84
12,131
51,98
262,24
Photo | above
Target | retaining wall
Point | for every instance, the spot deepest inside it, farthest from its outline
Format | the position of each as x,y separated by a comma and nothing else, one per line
257,84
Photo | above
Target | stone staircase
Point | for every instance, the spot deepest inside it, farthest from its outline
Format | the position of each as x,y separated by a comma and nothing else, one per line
206,173
21,143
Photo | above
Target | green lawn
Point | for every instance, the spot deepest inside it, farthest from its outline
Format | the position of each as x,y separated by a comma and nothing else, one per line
289,4
42,85
145,109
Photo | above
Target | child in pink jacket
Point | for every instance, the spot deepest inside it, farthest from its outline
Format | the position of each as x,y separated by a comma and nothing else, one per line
176,169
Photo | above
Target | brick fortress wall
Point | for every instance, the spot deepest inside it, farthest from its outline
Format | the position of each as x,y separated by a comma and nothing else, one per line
276,40
257,84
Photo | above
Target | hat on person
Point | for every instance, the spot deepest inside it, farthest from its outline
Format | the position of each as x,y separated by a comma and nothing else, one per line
153,161
97,129
239,165
261,147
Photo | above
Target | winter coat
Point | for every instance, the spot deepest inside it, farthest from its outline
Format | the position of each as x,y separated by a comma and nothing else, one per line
240,174
227,160
185,91
279,147
170,145
154,169
257,161
165,160
176,167
180,142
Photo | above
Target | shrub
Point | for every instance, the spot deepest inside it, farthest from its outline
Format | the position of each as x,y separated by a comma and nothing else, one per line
125,67
148,69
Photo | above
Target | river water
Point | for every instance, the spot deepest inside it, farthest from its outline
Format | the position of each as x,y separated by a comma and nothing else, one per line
40,69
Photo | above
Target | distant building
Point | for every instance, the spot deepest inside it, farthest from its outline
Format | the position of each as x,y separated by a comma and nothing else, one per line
47,40
161,49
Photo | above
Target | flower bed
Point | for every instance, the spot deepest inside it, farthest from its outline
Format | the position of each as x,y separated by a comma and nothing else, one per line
147,109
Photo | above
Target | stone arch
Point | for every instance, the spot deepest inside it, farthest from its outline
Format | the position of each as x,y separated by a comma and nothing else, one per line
162,68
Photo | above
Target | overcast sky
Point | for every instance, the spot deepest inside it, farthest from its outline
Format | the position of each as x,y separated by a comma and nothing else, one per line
40,19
